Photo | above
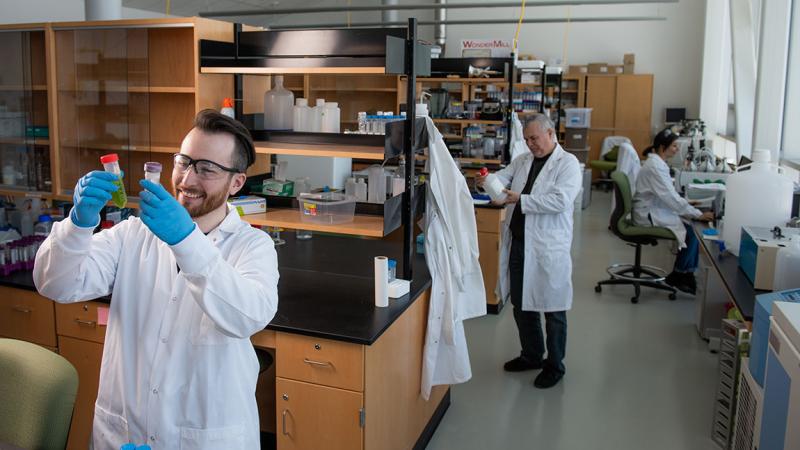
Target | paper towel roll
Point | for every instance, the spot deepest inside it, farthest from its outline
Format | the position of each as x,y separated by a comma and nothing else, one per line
381,281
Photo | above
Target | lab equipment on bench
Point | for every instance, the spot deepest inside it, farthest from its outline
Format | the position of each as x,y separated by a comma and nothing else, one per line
781,409
758,250
759,197
787,266
761,320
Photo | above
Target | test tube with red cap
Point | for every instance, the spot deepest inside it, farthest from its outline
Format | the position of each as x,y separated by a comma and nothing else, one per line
111,164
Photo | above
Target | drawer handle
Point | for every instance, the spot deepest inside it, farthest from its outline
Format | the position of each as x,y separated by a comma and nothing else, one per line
22,309
317,363
283,425
86,323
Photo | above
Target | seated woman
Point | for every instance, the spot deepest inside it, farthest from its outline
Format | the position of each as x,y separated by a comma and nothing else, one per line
657,203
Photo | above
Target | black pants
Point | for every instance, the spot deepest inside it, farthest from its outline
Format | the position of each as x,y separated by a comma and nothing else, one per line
529,322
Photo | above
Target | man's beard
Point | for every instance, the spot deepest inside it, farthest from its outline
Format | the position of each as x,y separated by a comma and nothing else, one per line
208,202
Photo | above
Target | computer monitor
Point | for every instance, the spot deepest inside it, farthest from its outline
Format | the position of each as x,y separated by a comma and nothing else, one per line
675,115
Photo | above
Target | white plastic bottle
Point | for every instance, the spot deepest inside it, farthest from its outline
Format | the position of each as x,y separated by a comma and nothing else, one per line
300,115
330,123
318,116
227,108
759,197
350,187
787,266
278,104
361,190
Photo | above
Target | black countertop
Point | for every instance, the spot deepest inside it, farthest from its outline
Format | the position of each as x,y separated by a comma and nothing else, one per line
736,282
326,287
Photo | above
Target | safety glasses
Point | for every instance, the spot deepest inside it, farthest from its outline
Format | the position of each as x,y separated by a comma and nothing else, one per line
205,169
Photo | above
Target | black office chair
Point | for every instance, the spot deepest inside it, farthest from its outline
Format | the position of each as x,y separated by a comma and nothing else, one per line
622,226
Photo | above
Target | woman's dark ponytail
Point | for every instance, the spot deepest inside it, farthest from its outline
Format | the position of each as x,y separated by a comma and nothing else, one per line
648,150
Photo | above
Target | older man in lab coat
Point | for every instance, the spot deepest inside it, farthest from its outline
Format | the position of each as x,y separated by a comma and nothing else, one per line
190,282
535,261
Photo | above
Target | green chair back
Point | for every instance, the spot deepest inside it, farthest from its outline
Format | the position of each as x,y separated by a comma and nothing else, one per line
621,222
612,154
37,395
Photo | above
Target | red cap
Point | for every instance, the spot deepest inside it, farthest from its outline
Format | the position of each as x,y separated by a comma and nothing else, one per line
227,103
109,158
106,224
483,172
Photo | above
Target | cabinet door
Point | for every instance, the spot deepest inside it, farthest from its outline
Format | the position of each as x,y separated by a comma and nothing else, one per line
634,102
601,93
86,357
28,316
314,417
489,248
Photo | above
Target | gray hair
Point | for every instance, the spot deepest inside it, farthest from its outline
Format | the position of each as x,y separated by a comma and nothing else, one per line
541,120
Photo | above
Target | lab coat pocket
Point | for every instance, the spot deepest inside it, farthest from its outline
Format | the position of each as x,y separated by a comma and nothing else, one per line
229,438
109,428
205,332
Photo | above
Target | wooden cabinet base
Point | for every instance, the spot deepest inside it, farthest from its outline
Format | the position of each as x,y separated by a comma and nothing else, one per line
86,357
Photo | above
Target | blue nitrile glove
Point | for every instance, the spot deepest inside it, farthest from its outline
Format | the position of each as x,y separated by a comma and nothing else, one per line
92,192
162,213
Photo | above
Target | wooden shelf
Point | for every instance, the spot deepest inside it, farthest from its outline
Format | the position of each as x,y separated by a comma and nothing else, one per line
477,121
479,161
294,70
154,148
371,226
464,80
528,84
24,192
569,91
329,150
24,141
452,136
320,89
139,90
21,87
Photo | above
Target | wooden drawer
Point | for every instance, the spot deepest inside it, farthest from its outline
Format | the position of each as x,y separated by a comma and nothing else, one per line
79,320
86,357
488,220
27,316
320,361
489,247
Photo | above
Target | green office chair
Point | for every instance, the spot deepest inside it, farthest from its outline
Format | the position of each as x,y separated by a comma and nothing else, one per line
606,164
622,225
37,395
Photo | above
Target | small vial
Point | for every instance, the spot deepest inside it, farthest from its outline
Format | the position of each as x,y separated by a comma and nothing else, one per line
152,172
362,122
111,164
392,270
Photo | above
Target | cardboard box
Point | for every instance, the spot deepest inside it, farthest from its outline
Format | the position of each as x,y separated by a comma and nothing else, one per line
598,68
249,204
579,69
576,137
616,69
628,63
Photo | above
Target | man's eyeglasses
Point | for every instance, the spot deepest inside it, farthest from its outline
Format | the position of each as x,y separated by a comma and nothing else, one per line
205,169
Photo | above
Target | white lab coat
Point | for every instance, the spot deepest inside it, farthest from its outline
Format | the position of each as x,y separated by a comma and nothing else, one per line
451,252
612,141
656,202
547,284
178,369
518,146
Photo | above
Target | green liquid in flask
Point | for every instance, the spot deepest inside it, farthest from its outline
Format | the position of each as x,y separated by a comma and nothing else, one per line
120,198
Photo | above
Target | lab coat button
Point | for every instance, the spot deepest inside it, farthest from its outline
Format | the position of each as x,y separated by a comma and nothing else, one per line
164,340
153,438
155,391
174,299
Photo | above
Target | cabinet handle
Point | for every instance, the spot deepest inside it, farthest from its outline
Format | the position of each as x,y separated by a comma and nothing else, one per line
86,323
316,363
22,309
283,425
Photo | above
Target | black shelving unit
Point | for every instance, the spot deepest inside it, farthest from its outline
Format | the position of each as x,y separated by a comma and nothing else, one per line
371,50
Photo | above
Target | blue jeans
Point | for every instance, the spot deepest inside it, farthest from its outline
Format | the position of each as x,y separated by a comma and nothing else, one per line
686,261
529,323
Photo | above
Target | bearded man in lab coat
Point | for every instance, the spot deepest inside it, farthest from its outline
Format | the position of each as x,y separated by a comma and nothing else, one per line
190,282
535,261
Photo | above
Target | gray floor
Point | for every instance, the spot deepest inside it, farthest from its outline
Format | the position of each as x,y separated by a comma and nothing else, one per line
638,376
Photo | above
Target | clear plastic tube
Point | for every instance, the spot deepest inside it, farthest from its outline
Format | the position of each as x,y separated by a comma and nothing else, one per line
111,164
152,172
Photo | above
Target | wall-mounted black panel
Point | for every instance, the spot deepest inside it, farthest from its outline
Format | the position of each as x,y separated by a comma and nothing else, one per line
305,43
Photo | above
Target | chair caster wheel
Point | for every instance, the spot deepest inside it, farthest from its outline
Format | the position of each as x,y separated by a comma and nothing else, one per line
598,289
634,300
672,296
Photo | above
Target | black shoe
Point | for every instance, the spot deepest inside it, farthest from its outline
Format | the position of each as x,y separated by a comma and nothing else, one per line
683,282
673,279
520,364
547,379
690,282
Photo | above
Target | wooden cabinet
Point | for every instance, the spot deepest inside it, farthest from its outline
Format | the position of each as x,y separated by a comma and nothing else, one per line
320,361
131,88
601,92
27,316
86,357
489,224
24,111
315,417
80,341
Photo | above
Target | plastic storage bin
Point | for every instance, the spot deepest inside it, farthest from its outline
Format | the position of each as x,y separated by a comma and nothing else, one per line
326,208
578,117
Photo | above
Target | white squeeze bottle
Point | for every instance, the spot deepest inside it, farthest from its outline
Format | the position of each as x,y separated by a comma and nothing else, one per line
319,115
301,115
492,185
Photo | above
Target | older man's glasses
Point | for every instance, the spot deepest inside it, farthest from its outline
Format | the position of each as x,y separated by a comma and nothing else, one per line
205,169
